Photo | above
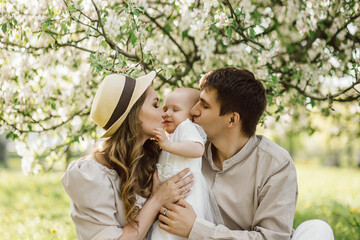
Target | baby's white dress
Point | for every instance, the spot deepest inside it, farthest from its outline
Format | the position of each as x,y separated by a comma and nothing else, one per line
200,198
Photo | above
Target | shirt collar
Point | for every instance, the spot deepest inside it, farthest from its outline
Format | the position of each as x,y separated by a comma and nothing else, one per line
237,158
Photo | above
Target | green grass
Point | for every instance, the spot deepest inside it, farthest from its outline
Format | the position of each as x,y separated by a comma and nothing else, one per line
37,207
330,194
34,207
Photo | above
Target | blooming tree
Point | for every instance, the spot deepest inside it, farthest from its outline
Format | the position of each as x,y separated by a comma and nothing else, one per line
55,53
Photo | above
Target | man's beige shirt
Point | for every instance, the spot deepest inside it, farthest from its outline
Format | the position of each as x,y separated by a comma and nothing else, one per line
256,192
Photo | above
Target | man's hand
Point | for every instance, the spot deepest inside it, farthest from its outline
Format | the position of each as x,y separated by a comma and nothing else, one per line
178,219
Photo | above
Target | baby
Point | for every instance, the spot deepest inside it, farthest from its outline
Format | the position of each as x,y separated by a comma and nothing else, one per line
184,149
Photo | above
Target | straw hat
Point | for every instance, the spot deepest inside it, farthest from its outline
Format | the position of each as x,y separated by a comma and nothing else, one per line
114,99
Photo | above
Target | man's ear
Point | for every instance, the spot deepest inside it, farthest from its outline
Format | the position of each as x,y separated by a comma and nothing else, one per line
234,119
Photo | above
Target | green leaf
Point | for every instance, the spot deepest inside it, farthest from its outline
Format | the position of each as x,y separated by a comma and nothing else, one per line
63,27
44,27
133,38
71,8
252,33
125,26
104,44
53,106
280,109
4,28
185,34
312,34
118,9
87,32
321,25
104,20
312,102
214,28
15,21
92,56
9,135
229,32
290,49
133,26
168,28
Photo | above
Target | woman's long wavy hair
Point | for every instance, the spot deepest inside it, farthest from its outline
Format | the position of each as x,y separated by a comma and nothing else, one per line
133,161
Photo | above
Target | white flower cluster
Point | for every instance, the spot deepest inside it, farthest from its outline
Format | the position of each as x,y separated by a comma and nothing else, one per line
115,22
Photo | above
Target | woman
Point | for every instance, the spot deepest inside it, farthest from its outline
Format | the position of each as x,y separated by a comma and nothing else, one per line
108,189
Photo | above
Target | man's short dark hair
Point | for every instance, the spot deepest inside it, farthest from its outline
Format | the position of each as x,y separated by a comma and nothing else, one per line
237,91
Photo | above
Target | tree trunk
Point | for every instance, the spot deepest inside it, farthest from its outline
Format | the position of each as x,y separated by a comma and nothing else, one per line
3,152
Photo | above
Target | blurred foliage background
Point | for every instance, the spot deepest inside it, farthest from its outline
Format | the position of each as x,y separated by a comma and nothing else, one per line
55,53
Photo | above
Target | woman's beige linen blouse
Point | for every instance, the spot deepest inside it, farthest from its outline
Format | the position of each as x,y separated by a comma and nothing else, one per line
96,207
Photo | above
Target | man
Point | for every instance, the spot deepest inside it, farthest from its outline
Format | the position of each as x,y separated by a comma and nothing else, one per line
253,179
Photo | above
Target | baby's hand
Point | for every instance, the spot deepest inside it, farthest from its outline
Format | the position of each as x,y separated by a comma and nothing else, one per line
161,138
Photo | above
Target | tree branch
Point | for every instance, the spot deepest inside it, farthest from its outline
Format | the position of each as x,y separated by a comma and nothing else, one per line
78,20
108,40
26,49
14,127
241,32
169,35
332,97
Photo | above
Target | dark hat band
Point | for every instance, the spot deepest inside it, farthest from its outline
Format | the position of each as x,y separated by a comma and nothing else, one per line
123,102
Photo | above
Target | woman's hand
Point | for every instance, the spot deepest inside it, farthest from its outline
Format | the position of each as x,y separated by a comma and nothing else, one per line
173,189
